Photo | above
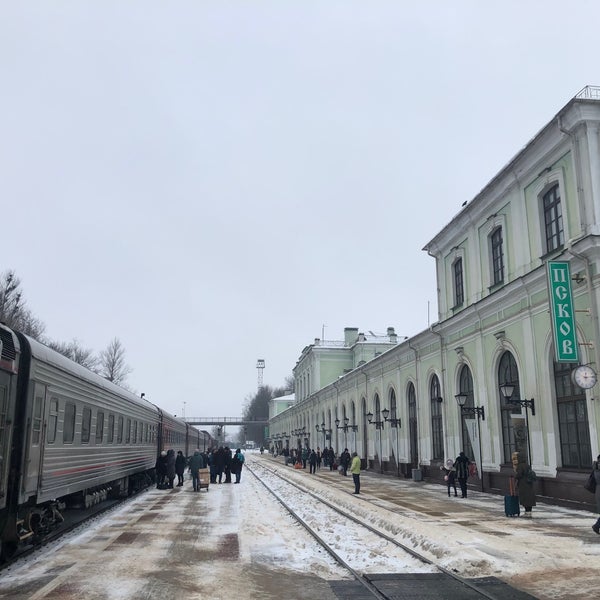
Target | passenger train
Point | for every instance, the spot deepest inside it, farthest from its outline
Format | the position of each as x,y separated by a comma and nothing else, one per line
70,438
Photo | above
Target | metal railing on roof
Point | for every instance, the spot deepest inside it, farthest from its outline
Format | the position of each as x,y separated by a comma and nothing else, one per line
589,92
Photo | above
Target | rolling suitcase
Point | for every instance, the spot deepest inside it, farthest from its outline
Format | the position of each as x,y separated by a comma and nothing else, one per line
511,502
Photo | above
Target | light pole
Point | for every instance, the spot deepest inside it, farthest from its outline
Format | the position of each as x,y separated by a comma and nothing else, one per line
507,389
461,399
344,428
394,422
379,426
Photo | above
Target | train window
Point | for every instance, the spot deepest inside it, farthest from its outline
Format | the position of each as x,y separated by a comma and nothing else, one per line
111,428
135,426
146,432
120,431
52,420
36,420
86,423
99,427
69,425
3,409
128,432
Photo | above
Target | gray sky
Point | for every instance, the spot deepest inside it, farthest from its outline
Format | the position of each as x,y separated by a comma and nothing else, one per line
212,182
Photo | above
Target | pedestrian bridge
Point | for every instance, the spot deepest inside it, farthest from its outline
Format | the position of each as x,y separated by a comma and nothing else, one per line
222,421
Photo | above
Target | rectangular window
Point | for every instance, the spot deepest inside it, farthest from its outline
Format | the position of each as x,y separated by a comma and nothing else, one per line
135,428
120,430
69,425
553,220
86,425
52,420
111,428
128,432
497,256
459,294
99,427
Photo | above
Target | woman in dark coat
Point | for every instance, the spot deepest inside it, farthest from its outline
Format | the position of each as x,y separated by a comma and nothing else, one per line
461,465
596,471
180,463
525,483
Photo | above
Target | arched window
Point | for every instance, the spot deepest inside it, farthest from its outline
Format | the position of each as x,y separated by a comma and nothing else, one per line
413,429
378,417
466,388
393,408
437,430
508,373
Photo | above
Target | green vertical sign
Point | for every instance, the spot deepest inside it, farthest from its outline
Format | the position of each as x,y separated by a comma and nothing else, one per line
562,311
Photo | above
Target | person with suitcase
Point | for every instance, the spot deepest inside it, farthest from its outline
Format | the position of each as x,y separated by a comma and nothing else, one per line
525,478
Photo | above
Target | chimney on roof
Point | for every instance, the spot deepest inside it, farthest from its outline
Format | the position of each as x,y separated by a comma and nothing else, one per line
317,342
362,337
350,335
392,335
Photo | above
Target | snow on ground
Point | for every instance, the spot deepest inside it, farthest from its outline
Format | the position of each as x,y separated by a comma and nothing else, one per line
196,536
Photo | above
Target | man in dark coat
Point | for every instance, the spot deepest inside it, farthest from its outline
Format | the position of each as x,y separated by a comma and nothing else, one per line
180,463
161,470
196,463
525,481
170,467
461,465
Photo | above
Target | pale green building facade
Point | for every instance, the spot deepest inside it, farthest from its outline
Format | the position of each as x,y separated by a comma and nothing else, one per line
494,327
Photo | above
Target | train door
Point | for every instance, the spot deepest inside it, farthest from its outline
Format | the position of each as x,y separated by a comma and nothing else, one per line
5,433
34,445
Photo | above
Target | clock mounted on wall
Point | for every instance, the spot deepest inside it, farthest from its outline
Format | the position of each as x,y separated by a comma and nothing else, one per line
584,376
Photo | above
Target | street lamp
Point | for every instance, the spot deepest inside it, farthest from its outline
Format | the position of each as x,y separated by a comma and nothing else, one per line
507,389
379,425
461,399
394,422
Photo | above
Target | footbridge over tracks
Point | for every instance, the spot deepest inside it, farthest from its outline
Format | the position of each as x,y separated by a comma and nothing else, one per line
222,421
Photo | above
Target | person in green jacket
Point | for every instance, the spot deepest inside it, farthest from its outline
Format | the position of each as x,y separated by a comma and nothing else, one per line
196,463
355,470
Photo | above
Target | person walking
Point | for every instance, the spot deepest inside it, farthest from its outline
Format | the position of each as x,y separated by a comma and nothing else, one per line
345,459
312,461
196,463
180,463
450,476
596,472
461,465
236,465
525,478
355,470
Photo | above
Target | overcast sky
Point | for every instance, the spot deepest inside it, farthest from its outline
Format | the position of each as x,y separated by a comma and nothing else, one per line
215,182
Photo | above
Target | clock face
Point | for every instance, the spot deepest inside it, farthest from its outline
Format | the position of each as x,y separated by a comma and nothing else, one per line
584,376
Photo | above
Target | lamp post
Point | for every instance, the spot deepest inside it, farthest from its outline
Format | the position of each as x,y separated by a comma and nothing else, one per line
379,426
507,389
344,428
461,399
394,422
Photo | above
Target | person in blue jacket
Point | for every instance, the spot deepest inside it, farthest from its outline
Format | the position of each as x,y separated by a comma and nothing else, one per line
236,465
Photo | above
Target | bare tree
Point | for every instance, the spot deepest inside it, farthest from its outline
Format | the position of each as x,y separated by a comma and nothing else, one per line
13,308
76,352
112,363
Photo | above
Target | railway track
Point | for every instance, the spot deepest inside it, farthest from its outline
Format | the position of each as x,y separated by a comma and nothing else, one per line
387,563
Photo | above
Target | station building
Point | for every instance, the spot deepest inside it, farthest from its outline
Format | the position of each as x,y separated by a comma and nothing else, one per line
502,320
